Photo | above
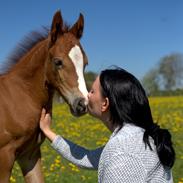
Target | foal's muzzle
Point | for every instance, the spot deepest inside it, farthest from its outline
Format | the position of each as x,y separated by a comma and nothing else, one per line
79,107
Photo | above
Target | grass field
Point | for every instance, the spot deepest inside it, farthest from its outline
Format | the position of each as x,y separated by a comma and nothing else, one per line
91,133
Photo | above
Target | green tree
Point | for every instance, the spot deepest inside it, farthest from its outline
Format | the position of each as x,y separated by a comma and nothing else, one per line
90,76
171,71
151,82
166,77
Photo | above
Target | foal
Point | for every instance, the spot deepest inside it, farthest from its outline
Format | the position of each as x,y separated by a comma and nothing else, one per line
50,62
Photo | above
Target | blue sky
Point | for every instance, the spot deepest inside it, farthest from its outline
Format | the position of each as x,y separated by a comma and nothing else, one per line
133,34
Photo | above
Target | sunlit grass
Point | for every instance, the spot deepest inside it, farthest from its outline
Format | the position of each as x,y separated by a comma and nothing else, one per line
91,133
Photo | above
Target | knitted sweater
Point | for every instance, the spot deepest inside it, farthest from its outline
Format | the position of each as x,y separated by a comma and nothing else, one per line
124,159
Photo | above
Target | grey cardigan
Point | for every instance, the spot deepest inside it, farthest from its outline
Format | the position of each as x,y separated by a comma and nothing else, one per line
124,159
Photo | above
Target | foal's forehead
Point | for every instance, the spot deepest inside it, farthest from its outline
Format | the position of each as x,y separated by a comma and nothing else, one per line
76,57
69,39
65,44
75,54
70,45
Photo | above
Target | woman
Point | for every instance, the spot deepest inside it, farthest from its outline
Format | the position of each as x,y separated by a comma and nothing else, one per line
138,149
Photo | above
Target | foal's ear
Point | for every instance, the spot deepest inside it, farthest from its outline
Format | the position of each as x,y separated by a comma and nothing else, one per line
77,28
56,27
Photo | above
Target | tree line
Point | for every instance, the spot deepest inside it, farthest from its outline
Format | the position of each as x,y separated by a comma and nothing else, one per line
166,78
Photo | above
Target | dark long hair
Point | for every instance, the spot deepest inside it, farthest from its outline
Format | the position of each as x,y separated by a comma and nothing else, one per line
128,103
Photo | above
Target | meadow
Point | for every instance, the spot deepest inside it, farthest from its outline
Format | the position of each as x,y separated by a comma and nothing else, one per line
91,133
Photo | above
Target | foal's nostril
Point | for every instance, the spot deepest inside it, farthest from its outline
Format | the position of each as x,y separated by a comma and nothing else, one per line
79,106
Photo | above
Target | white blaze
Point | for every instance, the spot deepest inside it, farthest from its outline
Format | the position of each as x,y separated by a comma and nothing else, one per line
77,58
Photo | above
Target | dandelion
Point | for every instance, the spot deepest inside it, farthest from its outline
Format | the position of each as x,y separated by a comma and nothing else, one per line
62,168
83,178
52,167
12,179
73,167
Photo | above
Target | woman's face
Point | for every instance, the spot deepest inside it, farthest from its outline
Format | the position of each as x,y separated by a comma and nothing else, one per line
95,99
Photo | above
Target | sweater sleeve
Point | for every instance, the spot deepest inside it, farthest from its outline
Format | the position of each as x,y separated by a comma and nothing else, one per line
76,154
123,168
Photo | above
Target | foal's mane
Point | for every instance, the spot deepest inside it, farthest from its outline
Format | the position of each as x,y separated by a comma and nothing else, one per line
28,42
24,46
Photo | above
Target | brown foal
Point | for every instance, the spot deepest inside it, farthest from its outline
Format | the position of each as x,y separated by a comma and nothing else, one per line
47,62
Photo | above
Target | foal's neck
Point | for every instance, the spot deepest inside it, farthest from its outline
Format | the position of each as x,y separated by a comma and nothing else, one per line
32,63
30,72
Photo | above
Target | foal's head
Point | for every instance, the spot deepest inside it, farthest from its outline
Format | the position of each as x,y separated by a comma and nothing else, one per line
66,63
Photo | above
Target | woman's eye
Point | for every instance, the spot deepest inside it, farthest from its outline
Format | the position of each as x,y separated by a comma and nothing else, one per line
58,63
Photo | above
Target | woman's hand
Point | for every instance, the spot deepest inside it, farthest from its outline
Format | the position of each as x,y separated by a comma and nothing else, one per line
45,121
45,125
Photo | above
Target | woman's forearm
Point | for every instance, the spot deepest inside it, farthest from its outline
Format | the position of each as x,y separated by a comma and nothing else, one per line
76,154
50,134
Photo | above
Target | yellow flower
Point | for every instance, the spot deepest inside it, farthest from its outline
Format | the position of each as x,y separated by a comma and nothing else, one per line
12,179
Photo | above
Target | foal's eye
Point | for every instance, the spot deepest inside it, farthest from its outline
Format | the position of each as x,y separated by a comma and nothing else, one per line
58,63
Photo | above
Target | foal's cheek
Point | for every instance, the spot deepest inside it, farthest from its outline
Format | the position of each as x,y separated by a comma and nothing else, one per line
62,79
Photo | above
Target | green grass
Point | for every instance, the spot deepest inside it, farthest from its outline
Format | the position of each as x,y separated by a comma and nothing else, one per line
91,133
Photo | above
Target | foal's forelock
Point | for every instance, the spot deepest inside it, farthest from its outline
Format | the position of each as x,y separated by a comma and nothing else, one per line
76,56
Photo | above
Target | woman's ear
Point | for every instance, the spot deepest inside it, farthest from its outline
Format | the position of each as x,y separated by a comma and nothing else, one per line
105,104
